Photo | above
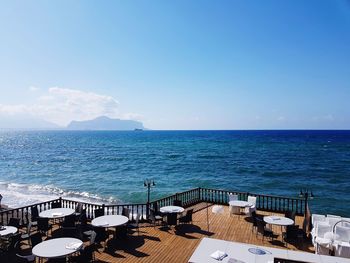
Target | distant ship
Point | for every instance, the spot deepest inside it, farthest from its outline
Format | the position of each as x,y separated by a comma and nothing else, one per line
136,129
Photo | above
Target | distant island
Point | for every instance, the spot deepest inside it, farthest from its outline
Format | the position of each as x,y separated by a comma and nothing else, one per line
105,123
99,123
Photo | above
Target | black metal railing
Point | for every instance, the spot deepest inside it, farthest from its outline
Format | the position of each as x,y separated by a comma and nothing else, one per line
188,198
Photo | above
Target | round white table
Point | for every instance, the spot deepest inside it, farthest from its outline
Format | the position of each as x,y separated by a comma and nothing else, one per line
171,209
278,220
237,205
57,212
8,230
109,221
240,203
171,212
57,247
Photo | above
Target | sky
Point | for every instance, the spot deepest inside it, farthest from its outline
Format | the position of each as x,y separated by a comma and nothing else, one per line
177,64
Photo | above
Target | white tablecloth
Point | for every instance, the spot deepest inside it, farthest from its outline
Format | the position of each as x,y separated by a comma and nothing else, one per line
8,230
245,253
240,203
278,220
171,209
109,221
57,247
57,212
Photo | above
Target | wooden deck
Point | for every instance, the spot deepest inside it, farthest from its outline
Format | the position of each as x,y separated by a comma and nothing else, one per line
161,244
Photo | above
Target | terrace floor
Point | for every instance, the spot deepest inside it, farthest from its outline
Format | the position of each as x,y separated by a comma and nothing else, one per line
161,244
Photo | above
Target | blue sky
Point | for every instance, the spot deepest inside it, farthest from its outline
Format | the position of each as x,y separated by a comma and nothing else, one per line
178,64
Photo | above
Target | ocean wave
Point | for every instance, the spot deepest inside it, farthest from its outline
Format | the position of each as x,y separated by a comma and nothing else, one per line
17,194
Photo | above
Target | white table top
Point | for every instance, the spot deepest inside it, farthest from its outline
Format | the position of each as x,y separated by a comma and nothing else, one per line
8,230
57,212
278,220
240,203
171,209
56,247
240,251
109,221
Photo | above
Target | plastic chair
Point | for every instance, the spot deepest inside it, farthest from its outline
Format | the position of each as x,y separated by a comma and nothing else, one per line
249,210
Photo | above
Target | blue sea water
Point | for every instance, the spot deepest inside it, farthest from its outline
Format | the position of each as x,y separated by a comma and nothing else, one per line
106,166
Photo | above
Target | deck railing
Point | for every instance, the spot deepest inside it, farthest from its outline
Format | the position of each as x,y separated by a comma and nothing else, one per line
188,198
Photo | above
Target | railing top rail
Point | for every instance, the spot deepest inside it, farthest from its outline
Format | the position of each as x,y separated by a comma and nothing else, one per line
173,195
28,206
265,195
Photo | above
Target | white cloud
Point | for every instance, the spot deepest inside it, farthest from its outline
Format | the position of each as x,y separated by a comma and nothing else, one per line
62,105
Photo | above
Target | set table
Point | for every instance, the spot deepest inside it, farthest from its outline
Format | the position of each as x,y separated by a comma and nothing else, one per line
279,221
109,221
248,253
8,230
240,204
171,212
57,247
57,213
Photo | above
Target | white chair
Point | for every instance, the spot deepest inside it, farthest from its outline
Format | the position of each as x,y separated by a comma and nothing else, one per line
232,197
320,229
249,210
233,209
323,245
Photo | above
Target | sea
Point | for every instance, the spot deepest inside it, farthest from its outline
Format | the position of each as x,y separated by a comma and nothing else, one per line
110,166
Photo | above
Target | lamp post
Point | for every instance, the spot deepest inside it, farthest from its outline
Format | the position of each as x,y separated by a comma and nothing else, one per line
307,194
148,183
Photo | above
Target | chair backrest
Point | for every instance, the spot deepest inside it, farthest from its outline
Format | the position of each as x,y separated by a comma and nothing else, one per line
35,239
151,216
101,234
88,253
92,237
189,214
322,228
99,212
34,213
252,200
126,212
317,218
43,224
155,207
260,224
342,233
69,221
56,205
290,214
177,202
14,222
29,227
83,218
14,242
232,197
254,218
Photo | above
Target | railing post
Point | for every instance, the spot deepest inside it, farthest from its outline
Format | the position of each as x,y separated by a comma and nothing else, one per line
60,201
306,200
199,194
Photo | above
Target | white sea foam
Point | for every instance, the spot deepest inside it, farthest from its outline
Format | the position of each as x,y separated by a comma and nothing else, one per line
17,195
